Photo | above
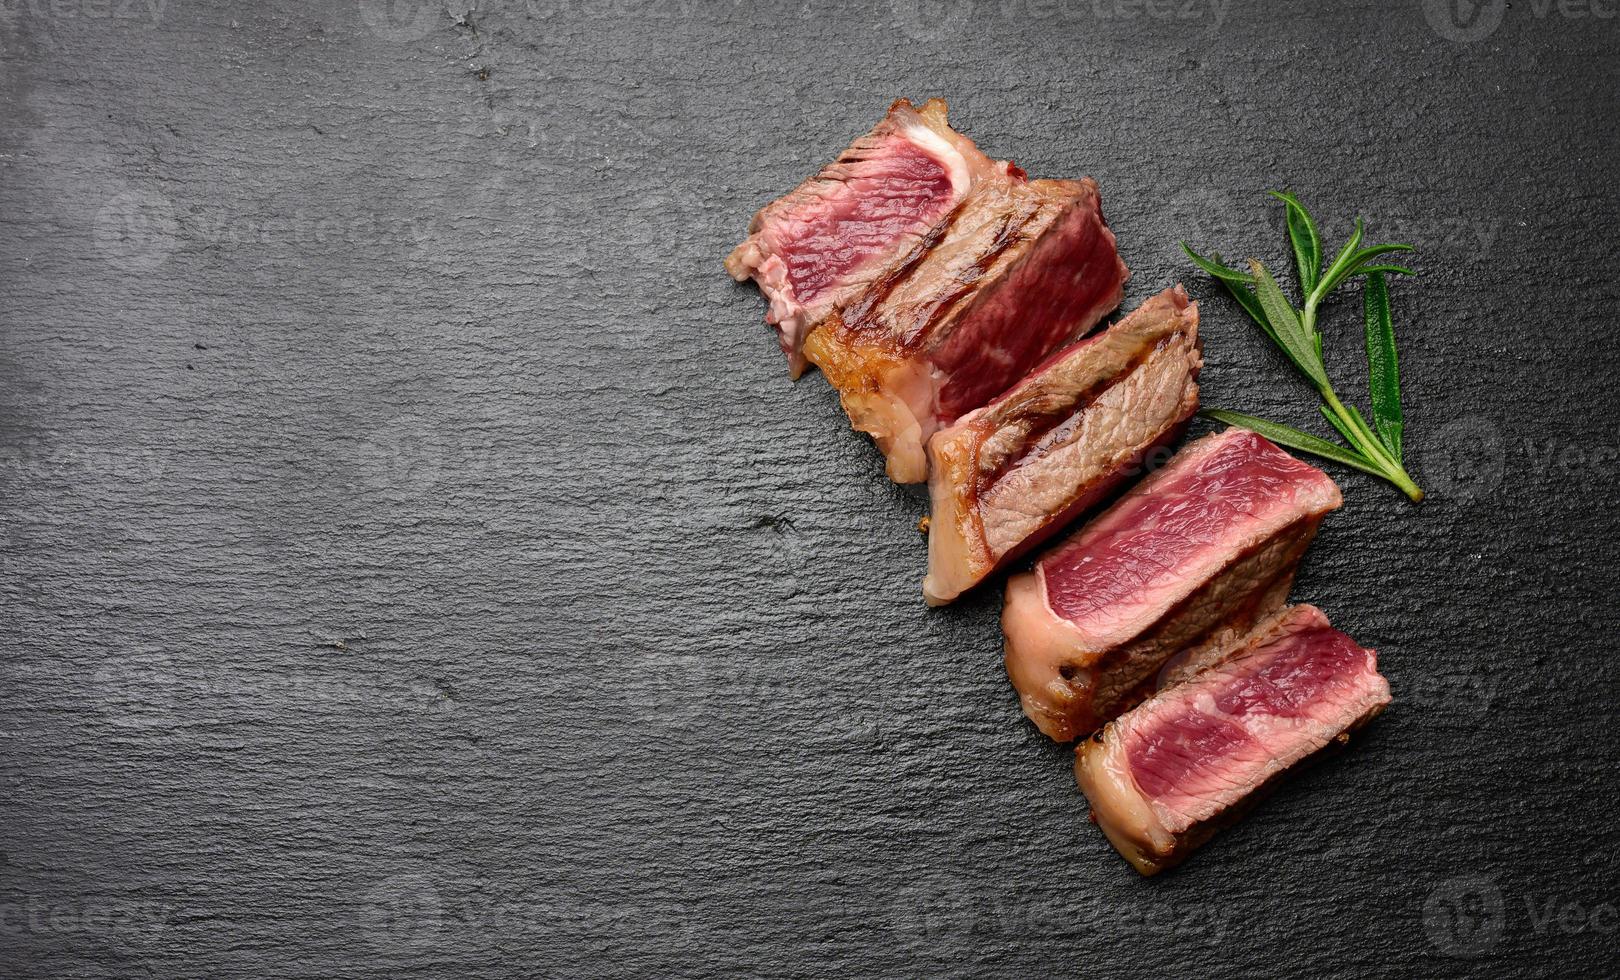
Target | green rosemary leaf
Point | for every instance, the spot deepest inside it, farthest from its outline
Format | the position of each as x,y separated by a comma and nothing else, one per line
1339,262
1372,251
1282,315
1305,239
1251,303
1237,283
1374,448
1286,327
1287,435
1383,366
1214,267
1356,264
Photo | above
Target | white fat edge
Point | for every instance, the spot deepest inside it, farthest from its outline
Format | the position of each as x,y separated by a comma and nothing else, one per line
941,149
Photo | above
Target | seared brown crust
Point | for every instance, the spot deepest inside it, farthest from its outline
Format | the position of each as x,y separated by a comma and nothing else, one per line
883,350
1140,374
915,321
917,301
885,395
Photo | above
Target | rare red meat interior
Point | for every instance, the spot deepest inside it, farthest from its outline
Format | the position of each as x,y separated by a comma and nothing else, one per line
821,244
1007,475
1018,269
1165,776
1194,554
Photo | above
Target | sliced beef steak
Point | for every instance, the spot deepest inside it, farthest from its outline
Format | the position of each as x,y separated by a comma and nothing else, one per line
1195,553
1166,775
1018,269
1006,476
821,244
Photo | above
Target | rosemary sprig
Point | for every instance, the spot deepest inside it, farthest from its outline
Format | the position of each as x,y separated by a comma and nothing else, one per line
1372,448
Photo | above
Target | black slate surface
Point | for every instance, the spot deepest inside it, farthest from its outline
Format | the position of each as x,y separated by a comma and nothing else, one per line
415,561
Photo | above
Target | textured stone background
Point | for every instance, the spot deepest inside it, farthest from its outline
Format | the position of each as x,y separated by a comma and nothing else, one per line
415,561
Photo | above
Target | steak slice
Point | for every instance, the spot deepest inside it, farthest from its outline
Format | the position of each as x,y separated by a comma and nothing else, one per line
821,244
1019,269
1008,475
1194,554
1167,775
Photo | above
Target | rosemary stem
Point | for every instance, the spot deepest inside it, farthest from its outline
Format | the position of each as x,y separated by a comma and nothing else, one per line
1369,446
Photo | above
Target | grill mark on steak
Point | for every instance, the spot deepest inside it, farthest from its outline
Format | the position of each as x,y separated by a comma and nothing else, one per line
1006,329
1057,421
1017,270
858,316
814,249
1094,494
1060,442
861,317
967,281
